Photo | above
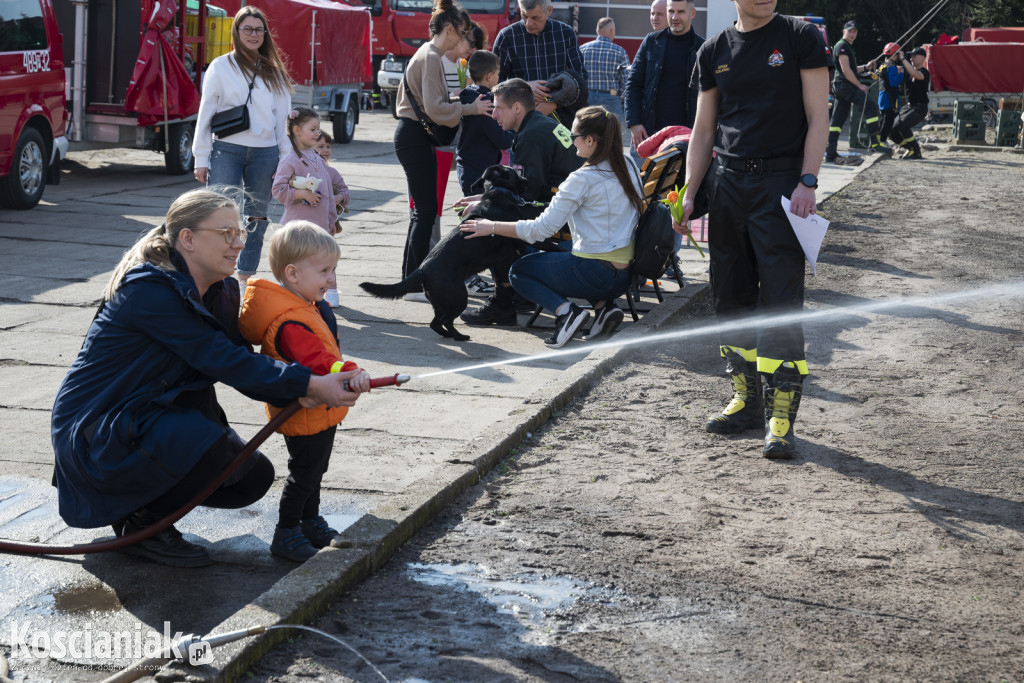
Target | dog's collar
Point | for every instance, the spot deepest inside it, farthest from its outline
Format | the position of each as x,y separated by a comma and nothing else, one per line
519,200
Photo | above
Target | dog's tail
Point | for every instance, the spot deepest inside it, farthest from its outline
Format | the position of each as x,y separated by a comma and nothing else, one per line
396,291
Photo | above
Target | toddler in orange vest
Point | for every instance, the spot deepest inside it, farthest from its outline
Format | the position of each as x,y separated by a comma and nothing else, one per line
291,322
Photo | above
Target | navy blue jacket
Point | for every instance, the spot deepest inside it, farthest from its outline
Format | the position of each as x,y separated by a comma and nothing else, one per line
119,438
482,139
644,74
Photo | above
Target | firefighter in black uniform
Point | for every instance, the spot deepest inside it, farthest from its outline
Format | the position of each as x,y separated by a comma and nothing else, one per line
916,108
763,106
847,90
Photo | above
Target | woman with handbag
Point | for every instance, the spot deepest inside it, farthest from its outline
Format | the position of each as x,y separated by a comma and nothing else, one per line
427,118
602,202
241,132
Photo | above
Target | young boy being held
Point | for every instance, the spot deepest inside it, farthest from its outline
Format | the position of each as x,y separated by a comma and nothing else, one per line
482,139
292,323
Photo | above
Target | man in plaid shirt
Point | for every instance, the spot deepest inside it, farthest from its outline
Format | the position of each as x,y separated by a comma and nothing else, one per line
607,64
537,48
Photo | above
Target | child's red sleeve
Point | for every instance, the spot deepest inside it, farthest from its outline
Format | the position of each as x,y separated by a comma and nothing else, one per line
298,344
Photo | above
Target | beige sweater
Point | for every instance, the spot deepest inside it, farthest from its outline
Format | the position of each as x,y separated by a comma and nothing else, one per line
425,77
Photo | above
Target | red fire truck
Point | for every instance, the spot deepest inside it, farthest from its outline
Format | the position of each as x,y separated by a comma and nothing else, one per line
32,115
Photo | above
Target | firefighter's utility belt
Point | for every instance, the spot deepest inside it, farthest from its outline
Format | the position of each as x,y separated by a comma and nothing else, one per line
760,166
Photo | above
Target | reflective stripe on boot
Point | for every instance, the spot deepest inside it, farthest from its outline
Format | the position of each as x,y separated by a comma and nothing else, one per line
744,410
782,391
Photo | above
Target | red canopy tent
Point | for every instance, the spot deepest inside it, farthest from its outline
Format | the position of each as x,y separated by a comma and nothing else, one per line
333,35
977,67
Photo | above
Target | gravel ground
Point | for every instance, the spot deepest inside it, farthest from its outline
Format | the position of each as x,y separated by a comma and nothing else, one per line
622,542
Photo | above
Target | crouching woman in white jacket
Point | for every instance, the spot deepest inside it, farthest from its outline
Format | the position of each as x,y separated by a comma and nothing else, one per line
602,203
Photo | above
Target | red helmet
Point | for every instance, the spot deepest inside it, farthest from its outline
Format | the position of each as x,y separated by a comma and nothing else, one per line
891,49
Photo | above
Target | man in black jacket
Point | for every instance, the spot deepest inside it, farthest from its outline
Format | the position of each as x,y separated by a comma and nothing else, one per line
543,152
658,90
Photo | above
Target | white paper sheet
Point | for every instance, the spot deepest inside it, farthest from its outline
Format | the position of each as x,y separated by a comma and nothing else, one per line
809,231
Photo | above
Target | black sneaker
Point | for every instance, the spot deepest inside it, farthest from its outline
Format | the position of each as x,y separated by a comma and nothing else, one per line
491,314
606,320
291,544
318,532
167,547
477,285
566,326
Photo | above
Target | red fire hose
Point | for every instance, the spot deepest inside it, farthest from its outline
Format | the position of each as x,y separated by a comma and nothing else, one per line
142,534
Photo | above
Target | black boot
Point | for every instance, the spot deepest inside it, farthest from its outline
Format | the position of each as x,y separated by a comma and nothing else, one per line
744,410
497,310
913,151
880,147
167,547
781,399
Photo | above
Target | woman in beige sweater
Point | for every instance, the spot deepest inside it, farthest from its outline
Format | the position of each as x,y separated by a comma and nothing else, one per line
424,75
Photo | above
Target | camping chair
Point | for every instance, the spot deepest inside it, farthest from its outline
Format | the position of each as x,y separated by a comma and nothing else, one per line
657,176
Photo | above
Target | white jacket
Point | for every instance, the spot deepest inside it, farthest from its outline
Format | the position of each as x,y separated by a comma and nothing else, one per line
225,86
592,201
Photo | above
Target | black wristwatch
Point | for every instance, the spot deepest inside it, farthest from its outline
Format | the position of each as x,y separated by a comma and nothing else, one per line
809,180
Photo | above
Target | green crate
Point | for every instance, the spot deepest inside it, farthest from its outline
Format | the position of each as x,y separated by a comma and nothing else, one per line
1008,128
969,130
968,110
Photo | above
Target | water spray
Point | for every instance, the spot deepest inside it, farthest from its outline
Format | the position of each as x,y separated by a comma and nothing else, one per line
1009,289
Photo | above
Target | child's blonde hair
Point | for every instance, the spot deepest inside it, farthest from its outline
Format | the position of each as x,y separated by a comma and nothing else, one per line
296,241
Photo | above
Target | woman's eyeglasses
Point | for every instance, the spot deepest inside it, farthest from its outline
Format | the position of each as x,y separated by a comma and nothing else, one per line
574,136
229,234
253,30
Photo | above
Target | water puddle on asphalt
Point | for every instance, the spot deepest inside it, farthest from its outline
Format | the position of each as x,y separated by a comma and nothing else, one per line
86,599
526,596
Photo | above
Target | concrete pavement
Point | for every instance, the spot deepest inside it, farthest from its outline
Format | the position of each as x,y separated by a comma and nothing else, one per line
400,456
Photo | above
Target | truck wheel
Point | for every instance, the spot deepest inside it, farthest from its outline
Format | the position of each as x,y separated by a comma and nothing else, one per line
23,186
178,157
345,122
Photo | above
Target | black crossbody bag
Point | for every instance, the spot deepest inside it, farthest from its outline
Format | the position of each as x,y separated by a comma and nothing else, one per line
234,120
440,136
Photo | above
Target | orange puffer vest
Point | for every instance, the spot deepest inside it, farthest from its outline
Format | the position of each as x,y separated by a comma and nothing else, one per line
268,306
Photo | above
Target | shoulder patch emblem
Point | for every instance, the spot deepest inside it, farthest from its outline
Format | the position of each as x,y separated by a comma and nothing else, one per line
775,59
721,69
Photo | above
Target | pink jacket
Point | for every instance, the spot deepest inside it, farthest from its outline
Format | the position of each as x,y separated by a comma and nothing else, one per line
663,139
308,164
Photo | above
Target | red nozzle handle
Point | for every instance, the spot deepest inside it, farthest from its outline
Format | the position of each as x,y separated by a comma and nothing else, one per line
394,380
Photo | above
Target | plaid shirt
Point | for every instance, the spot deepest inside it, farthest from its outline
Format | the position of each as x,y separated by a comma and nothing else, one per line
538,58
607,64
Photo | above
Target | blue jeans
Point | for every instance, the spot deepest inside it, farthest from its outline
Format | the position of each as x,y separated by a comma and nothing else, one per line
250,170
549,278
614,105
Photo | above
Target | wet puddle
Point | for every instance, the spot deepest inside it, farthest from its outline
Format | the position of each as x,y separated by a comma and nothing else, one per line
527,596
85,600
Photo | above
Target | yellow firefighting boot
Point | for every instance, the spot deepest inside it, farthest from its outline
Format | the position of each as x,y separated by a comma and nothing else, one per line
782,391
744,410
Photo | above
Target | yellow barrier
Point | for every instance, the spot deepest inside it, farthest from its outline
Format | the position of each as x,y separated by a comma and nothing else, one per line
218,35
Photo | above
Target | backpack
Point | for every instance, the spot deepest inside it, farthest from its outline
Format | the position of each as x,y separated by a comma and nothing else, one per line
654,242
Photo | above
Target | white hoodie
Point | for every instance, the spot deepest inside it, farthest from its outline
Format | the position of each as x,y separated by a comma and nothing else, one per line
224,87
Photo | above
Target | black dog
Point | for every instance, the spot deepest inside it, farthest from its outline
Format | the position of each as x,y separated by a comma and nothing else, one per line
443,273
